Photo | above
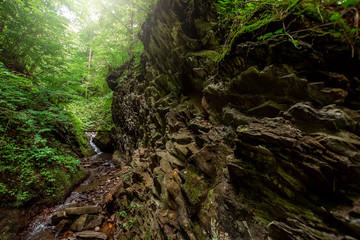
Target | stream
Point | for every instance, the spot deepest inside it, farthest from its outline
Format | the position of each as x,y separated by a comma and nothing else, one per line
103,180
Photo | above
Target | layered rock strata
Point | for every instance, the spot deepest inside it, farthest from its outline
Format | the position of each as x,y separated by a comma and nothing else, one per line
264,145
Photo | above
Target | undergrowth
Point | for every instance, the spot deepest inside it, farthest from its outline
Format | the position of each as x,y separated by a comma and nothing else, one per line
93,113
36,142
337,18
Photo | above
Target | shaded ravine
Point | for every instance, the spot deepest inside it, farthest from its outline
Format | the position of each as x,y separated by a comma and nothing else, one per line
104,178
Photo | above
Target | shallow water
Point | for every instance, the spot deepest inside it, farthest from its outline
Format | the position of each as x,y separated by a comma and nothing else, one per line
99,167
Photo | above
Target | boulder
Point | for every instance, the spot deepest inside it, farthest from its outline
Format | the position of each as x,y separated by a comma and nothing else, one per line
79,223
103,141
93,221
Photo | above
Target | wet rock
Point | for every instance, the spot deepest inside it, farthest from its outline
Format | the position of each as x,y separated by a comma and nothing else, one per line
83,210
91,235
44,235
93,221
329,117
56,218
79,223
62,225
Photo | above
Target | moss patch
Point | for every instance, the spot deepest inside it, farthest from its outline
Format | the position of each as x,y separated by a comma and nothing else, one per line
194,186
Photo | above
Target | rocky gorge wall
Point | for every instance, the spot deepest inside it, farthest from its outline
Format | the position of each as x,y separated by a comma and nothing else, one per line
264,145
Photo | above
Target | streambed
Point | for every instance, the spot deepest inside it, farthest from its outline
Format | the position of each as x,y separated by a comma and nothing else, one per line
104,178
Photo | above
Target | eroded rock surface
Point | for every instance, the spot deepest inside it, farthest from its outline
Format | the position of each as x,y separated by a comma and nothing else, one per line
263,146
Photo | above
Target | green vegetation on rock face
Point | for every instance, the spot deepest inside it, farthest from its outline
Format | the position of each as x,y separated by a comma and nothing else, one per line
273,19
37,138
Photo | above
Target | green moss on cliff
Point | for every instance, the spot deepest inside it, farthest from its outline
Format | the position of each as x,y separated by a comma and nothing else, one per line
272,19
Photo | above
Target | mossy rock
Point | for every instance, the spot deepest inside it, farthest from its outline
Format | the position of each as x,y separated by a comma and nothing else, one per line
103,141
63,185
195,186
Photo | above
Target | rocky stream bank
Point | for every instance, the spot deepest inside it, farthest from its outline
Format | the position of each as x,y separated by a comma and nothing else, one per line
86,214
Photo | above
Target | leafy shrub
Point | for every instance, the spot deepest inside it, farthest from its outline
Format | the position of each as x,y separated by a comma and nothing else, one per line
36,139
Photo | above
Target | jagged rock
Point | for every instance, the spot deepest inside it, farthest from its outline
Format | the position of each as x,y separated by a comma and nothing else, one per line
182,137
262,145
82,210
91,235
205,160
235,118
328,117
197,125
326,95
274,80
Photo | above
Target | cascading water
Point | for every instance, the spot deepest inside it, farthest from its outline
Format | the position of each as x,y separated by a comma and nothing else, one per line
92,144
40,228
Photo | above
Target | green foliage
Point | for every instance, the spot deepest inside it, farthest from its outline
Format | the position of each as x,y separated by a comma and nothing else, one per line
128,216
249,16
349,3
251,19
35,136
61,52
32,35
122,214
93,113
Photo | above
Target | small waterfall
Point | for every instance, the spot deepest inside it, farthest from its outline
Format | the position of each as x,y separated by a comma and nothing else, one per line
92,144
39,228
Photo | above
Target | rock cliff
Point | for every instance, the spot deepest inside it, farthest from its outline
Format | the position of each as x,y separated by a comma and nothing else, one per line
264,145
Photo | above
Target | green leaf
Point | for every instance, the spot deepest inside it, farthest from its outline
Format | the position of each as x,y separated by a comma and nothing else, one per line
335,16
280,31
355,30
